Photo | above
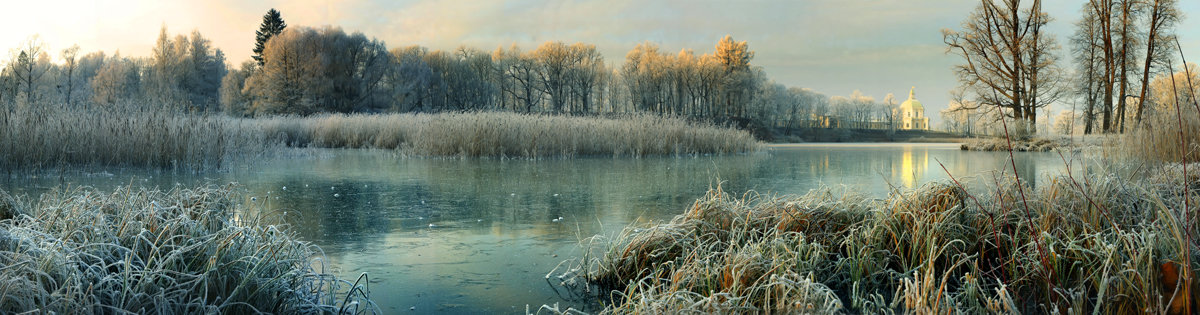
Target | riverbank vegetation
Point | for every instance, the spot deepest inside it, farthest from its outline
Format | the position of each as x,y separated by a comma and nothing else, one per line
1117,236
1025,145
132,136
185,251
43,137
1167,137
500,134
1103,243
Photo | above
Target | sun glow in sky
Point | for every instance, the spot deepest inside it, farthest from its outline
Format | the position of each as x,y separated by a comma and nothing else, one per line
832,46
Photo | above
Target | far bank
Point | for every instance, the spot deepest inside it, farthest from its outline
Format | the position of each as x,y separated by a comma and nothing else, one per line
855,135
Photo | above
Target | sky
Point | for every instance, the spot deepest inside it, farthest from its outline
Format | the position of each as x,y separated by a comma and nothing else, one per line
831,46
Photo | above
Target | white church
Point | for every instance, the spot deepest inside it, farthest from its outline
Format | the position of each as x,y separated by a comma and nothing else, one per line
912,113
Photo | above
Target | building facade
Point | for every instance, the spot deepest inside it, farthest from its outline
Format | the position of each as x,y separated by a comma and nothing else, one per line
912,113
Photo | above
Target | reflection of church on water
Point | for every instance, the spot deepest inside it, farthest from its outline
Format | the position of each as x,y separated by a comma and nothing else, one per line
912,167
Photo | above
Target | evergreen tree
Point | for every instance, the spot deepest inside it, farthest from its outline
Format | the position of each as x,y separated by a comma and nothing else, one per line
272,25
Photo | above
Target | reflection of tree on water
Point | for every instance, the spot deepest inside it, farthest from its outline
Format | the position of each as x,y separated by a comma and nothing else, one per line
1027,170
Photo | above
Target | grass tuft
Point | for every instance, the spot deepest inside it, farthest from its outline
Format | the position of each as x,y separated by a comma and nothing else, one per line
179,252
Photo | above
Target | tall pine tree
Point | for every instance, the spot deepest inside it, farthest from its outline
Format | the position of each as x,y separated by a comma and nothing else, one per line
272,25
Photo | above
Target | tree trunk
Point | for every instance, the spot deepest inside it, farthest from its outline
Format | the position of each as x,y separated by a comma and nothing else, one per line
1124,72
1104,15
1151,41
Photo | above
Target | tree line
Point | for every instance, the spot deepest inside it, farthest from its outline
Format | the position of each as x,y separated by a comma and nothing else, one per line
183,73
308,70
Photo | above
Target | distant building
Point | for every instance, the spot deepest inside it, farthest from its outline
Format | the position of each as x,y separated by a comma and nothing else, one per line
912,113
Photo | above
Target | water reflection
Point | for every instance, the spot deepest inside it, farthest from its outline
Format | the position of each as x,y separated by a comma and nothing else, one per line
910,168
477,236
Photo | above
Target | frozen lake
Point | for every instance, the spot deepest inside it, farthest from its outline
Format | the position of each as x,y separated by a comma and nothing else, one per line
478,235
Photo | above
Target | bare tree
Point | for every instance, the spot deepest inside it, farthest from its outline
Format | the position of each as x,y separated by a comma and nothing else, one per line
643,73
202,80
1086,43
408,78
1064,123
520,73
117,80
555,60
862,109
29,67
1009,60
89,66
1168,89
8,84
232,99
1125,58
888,109
1163,15
584,75
1102,12
70,64
735,56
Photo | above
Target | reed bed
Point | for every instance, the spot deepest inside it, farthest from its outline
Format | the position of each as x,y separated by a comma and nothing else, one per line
502,134
1100,245
1165,137
53,137
185,251
128,135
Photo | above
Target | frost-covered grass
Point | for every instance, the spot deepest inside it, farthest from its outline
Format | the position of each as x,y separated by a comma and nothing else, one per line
129,135
1030,145
502,134
145,251
1102,244
52,137
1160,138
1123,238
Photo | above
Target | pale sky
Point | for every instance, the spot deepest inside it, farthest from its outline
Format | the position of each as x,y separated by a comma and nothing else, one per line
832,46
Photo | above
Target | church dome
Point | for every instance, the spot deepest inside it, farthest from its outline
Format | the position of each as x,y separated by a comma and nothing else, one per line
912,101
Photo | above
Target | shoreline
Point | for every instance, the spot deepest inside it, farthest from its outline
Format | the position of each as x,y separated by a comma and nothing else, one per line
861,144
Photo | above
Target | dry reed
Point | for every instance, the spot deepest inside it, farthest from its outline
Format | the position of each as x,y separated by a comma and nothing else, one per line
52,137
129,135
1158,138
180,252
502,134
1111,245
